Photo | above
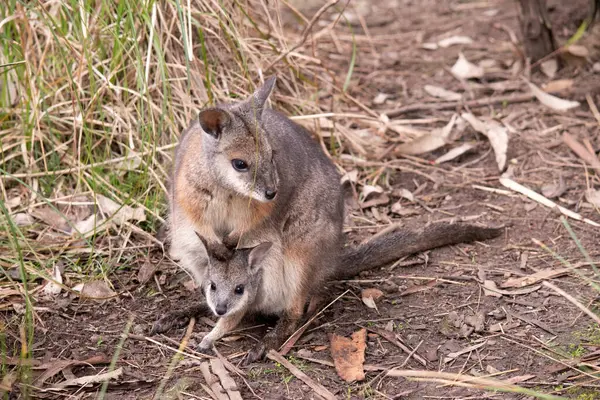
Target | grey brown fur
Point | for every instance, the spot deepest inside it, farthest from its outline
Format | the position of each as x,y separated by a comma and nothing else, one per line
294,241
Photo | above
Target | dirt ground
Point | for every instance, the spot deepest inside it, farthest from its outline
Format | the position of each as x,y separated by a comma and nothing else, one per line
542,334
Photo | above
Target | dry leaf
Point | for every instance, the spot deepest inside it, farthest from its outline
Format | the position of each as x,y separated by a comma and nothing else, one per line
549,67
349,355
119,214
428,142
404,193
551,101
593,197
442,93
420,288
380,98
95,290
146,272
369,296
534,278
577,50
85,380
559,85
23,219
554,190
457,354
496,134
581,150
453,40
490,289
463,69
518,292
429,46
131,163
454,153
50,217
369,191
51,288
89,224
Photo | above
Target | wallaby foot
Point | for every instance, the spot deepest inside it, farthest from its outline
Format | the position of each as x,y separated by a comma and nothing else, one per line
224,326
179,318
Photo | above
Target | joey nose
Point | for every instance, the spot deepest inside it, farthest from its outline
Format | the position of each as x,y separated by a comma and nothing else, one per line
221,309
270,194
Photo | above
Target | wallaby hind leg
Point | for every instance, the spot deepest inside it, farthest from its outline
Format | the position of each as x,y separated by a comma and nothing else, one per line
284,328
179,318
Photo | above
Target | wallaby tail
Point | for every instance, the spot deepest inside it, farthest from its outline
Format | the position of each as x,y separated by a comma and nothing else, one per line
394,243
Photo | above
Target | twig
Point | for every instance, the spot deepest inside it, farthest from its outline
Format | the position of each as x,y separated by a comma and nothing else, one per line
304,33
372,368
449,105
530,321
390,337
318,388
572,300
509,183
289,343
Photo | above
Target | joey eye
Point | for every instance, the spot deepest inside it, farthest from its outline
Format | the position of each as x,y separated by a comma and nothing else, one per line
213,287
239,289
239,165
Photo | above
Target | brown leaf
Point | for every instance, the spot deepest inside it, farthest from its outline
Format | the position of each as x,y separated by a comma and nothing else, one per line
95,290
349,355
496,134
593,197
146,272
86,380
581,151
420,288
440,92
534,278
370,295
559,85
490,289
551,101
554,190
428,142
320,348
463,69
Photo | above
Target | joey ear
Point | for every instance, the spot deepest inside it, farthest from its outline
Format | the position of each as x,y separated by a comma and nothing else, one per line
213,121
257,101
258,253
204,242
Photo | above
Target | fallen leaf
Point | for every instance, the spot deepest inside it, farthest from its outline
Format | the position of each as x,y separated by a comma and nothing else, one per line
554,190
320,348
89,224
369,296
131,163
577,50
453,40
86,380
490,289
581,150
52,288
429,46
518,379
593,197
455,152
420,288
559,85
551,101
349,355
23,219
404,193
380,98
119,214
54,367
369,191
463,69
146,272
428,142
457,354
398,209
51,217
534,278
496,134
442,93
7,382
549,67
95,290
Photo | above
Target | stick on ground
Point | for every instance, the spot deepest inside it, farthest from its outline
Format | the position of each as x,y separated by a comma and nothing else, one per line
318,388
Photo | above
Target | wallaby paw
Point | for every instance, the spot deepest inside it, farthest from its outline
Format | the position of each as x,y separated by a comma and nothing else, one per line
168,322
205,347
256,354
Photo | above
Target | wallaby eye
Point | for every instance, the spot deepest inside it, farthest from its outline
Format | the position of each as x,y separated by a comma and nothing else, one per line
239,165
239,289
213,287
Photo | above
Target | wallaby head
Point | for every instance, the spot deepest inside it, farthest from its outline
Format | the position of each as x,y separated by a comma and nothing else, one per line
233,276
236,148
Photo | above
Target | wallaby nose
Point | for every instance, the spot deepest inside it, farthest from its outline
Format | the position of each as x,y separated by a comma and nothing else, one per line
270,194
221,309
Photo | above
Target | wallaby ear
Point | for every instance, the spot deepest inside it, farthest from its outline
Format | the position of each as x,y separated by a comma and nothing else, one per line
213,121
257,101
204,242
257,254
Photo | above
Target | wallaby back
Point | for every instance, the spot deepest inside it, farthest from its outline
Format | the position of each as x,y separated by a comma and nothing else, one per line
395,243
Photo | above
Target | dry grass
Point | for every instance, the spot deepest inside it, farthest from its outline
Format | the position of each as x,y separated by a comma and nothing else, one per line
94,95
